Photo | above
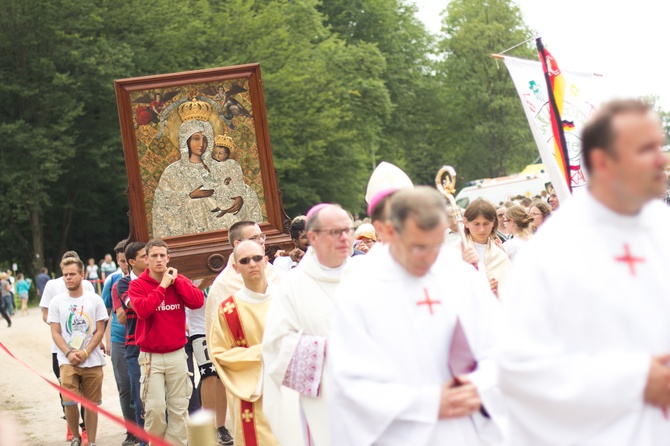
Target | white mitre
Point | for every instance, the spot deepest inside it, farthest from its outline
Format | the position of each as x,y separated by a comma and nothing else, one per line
386,176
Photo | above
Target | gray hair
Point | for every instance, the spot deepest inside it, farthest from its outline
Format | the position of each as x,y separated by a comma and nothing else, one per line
423,204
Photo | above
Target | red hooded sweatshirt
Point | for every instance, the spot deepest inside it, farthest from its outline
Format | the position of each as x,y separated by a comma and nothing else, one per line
161,313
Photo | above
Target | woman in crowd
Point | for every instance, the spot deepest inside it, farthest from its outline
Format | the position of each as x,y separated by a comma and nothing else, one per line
22,288
92,274
481,223
540,211
519,224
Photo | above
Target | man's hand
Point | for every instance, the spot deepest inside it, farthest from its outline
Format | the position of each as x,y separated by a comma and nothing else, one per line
169,277
361,246
201,193
280,253
106,347
296,255
461,401
657,390
76,357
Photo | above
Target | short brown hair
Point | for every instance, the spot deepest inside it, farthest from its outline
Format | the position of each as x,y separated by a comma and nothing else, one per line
121,246
70,255
235,231
72,261
157,242
424,204
598,132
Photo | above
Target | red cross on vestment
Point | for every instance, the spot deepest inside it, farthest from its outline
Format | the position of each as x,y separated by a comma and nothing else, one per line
629,258
428,302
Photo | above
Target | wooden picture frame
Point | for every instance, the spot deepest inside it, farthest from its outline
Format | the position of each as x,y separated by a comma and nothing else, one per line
208,127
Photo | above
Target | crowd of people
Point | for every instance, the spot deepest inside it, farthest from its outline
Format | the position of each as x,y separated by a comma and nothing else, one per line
533,324
14,291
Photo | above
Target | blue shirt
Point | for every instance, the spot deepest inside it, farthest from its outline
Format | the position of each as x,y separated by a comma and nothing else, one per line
22,287
117,331
41,281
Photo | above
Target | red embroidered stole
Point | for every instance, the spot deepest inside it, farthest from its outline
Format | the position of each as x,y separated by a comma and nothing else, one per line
229,308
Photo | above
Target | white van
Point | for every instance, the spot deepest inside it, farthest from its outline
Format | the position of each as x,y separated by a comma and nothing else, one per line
529,183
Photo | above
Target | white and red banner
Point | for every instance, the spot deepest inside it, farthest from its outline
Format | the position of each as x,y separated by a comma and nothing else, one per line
581,97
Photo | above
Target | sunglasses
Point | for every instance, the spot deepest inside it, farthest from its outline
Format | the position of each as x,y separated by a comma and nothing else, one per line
246,260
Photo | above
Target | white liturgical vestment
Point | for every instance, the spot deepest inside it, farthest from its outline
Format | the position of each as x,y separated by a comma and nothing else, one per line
389,350
302,306
587,305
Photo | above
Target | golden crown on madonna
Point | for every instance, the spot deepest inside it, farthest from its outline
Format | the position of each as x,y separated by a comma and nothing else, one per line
195,109
224,141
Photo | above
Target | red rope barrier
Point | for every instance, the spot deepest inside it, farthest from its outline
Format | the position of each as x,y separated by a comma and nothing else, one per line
130,426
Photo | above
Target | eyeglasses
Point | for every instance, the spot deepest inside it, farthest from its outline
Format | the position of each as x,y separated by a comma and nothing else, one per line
336,233
501,215
246,260
257,238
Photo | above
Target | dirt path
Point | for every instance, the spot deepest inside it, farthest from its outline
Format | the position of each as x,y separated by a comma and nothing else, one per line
33,406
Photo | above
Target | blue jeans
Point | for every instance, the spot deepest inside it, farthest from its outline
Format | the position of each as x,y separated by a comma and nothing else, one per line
8,303
135,397
122,379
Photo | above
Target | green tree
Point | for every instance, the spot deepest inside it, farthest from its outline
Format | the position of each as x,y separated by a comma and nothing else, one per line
52,95
326,100
64,181
485,129
393,27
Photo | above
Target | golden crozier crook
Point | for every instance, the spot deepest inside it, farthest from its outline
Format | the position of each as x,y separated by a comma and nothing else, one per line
445,181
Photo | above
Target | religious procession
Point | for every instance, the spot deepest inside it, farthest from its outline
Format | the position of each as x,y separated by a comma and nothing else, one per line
526,309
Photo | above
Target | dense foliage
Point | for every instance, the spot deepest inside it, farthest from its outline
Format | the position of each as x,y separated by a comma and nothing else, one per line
348,83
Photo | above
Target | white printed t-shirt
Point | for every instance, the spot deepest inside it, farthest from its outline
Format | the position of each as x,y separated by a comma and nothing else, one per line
53,288
79,314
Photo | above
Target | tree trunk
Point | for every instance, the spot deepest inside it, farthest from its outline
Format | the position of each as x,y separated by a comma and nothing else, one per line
67,223
37,233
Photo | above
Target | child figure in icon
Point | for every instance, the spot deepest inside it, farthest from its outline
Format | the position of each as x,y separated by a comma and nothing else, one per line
232,195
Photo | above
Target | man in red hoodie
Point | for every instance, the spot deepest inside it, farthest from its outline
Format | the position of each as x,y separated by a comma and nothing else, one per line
159,297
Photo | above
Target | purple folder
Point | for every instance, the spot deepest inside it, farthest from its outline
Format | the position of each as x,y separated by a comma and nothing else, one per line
461,359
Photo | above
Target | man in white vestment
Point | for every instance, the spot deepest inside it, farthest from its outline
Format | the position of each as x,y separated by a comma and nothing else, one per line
299,319
393,333
584,358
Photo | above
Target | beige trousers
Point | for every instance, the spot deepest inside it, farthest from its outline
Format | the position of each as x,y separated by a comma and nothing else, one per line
165,386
